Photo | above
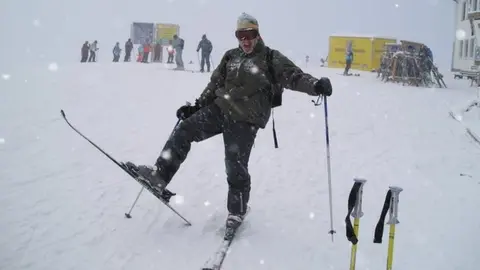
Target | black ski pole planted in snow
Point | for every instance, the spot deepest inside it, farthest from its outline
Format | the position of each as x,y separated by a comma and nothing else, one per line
329,170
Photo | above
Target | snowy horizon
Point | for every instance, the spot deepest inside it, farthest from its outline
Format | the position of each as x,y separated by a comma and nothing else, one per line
54,30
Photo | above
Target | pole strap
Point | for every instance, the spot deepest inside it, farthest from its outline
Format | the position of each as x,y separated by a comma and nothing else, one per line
381,222
352,199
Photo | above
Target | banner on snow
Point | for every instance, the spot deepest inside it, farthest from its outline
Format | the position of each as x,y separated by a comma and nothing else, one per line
142,32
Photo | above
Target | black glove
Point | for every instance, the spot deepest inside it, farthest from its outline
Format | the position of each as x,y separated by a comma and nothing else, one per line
186,111
323,87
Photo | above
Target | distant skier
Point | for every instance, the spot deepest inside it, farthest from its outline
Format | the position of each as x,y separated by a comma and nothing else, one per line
128,50
146,51
93,51
158,52
348,61
116,52
206,46
236,103
84,52
178,44
171,52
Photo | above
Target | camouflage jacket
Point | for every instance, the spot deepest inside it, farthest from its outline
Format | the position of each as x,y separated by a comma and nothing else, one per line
241,88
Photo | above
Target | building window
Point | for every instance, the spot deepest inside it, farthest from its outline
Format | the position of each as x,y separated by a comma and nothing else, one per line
475,5
464,11
472,47
466,49
460,51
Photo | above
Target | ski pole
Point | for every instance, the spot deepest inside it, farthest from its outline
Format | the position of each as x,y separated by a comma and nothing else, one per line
329,170
390,205
393,220
355,205
199,62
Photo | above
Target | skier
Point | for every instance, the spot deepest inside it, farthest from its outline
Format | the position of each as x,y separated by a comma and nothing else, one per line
93,51
158,52
171,52
348,61
128,50
178,44
236,103
85,48
206,46
116,52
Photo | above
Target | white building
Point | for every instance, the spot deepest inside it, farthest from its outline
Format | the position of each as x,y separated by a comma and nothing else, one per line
467,27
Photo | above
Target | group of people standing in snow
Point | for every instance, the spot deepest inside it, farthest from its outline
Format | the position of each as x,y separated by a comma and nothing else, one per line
89,50
153,51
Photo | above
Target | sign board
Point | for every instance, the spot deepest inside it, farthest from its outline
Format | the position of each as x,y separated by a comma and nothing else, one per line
142,32
165,32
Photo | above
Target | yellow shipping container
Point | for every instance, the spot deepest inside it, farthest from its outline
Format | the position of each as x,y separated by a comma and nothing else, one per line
367,51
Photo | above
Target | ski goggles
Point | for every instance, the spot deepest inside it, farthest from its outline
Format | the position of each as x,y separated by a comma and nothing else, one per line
247,34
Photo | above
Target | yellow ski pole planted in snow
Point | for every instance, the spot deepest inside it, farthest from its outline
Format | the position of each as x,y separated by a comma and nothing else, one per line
391,206
354,210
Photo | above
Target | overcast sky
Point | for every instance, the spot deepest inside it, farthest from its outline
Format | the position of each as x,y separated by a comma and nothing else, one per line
54,30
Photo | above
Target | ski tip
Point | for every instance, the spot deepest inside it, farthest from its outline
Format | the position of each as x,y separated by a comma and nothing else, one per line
63,113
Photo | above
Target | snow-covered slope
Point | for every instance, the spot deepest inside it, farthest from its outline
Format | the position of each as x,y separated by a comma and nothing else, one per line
62,203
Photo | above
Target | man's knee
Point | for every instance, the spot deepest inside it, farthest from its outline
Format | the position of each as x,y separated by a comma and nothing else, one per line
238,177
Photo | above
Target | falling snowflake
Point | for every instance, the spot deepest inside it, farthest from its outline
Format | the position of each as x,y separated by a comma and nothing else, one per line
262,262
312,115
207,203
460,34
179,199
227,96
358,93
386,116
6,76
53,67
2,140
36,23
396,5
312,215
167,154
216,175
254,69
170,1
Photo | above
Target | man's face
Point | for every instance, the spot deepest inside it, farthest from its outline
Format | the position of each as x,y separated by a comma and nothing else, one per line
247,39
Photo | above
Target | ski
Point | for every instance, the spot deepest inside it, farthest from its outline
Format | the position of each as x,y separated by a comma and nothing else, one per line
216,260
164,198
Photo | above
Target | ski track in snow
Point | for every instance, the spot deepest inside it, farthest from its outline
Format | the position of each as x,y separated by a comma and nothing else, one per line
62,202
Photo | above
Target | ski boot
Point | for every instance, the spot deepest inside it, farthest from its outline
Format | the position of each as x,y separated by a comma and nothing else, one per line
233,223
151,176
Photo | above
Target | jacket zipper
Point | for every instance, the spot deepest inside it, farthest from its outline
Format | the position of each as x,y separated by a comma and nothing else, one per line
241,203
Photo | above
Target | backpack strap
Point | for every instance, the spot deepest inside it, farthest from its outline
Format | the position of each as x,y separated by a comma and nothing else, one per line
273,81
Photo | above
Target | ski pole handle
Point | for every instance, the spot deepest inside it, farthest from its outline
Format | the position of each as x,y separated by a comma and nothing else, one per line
357,210
393,219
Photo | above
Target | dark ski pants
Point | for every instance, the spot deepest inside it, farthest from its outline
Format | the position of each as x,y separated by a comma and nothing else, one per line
127,56
205,59
92,56
238,139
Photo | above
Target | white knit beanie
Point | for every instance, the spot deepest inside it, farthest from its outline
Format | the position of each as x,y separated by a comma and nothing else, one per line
246,22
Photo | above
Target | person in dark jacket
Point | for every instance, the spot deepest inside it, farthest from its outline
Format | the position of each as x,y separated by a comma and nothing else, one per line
84,53
206,46
128,50
116,52
235,103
